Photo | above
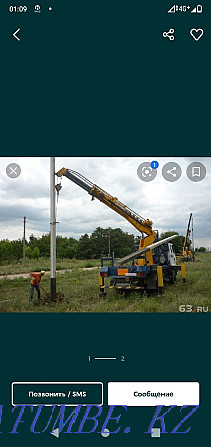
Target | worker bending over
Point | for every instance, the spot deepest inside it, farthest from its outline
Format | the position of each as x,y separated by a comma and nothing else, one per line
35,281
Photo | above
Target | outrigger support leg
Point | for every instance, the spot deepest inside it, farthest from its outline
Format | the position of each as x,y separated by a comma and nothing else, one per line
102,293
160,279
183,272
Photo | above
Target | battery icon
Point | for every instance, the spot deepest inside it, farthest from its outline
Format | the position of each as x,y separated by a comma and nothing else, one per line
198,9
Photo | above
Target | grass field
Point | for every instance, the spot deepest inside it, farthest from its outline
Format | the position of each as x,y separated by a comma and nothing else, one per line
81,289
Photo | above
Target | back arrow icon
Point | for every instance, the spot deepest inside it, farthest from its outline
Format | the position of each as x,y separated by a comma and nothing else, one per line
15,34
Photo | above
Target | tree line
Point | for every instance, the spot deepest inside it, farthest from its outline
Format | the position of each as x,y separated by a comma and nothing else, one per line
101,241
87,247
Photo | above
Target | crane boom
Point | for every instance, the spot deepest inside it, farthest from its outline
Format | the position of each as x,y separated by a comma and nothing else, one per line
141,224
188,231
187,253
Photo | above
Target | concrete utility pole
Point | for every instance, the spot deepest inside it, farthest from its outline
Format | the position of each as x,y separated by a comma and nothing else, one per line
53,228
24,241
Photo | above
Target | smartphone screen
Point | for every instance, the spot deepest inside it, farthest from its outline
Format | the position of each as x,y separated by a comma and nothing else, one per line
105,239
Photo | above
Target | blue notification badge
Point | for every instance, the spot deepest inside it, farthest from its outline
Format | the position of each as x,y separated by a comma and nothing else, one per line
154,164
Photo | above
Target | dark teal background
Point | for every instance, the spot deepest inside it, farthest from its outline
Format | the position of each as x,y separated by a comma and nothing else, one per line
97,78
156,348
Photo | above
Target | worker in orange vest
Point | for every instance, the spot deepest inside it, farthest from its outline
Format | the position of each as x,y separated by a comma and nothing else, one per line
36,279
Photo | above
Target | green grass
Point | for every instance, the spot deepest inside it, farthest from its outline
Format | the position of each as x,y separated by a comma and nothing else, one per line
81,289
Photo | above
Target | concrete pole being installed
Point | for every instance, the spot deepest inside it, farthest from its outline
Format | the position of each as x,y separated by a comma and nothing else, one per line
24,241
53,228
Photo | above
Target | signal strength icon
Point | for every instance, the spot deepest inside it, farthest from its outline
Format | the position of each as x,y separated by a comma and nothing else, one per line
173,9
197,10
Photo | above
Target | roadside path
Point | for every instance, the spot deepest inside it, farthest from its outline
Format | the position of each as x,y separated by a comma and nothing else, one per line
26,275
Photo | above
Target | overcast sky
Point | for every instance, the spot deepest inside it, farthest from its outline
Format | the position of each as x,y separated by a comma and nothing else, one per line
167,204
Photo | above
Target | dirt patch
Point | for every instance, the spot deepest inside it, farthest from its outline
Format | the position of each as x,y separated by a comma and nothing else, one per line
46,299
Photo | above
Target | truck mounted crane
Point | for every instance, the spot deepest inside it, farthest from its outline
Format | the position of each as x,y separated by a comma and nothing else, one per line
187,254
153,262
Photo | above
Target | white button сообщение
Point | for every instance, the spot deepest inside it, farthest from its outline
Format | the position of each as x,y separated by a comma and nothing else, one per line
150,394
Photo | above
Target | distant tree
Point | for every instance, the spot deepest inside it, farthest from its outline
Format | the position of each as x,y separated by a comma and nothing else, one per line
121,243
32,241
99,242
43,244
202,249
177,242
28,252
35,253
32,238
66,247
17,249
84,250
5,250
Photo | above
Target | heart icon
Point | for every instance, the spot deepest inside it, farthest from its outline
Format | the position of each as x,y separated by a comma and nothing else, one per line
196,33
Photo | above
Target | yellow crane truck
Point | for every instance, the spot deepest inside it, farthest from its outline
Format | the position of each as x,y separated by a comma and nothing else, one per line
187,253
152,263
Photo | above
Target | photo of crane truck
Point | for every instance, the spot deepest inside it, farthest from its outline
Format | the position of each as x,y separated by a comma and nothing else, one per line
143,270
